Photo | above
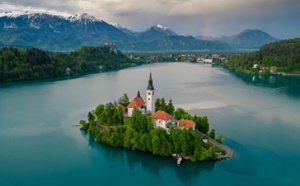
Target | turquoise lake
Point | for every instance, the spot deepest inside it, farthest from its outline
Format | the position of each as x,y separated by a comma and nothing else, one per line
258,115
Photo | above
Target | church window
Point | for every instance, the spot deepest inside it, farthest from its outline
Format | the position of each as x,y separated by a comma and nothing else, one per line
149,93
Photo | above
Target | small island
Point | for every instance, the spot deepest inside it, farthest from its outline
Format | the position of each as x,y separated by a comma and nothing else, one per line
155,126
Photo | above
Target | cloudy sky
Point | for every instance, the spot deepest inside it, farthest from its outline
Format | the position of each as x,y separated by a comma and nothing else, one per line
280,18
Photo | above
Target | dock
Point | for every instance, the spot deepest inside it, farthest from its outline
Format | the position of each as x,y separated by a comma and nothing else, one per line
179,160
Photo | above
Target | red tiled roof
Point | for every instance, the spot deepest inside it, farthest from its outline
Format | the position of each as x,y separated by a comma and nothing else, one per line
137,102
186,123
162,115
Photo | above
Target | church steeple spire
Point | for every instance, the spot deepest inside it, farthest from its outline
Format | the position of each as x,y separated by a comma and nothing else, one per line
150,96
138,94
150,83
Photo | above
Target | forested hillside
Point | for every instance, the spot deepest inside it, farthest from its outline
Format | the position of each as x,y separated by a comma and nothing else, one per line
33,63
281,56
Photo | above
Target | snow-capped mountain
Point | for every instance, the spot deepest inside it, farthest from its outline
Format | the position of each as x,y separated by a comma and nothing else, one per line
83,18
54,32
15,14
155,32
125,30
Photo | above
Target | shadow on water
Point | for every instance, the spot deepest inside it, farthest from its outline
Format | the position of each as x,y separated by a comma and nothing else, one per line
153,164
157,164
289,85
55,79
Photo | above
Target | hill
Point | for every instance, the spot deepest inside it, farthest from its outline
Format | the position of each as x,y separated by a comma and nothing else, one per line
155,32
182,43
281,56
33,63
248,39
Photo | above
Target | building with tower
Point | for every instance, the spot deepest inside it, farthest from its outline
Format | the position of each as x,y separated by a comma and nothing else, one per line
138,103
161,118
150,96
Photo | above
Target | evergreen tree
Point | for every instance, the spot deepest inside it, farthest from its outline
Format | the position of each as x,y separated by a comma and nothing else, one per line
220,139
157,104
170,108
212,134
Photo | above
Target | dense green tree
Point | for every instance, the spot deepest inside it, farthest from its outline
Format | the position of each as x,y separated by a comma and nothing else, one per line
220,139
179,113
144,142
33,63
136,142
129,134
105,136
187,138
156,143
170,108
91,117
198,147
157,104
212,134
84,125
207,155
175,136
124,100
139,121
204,125
284,55
160,104
99,110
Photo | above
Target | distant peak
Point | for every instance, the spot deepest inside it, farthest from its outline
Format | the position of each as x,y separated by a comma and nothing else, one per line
14,13
117,25
252,30
25,14
160,27
83,17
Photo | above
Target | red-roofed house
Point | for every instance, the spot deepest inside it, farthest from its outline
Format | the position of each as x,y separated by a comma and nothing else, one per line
186,124
138,103
162,119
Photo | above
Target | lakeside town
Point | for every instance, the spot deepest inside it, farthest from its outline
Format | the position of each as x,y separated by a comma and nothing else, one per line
209,58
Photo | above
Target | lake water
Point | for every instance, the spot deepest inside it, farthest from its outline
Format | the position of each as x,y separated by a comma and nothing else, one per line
259,117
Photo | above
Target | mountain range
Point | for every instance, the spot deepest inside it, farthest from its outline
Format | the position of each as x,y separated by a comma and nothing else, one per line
247,39
57,33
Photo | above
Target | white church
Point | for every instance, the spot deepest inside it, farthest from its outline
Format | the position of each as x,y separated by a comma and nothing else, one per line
139,103
161,118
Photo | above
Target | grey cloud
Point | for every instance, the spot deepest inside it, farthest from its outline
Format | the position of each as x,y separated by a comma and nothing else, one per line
196,17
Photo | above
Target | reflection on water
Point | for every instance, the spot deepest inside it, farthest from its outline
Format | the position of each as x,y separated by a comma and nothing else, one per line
152,164
289,85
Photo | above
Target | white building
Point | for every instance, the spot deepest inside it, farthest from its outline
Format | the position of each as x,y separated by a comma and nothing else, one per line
163,120
138,103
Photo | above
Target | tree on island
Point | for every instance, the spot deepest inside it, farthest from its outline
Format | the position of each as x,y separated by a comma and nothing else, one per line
160,104
220,139
124,100
212,134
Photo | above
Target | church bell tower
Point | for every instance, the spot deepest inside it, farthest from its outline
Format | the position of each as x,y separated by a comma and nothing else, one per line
150,96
